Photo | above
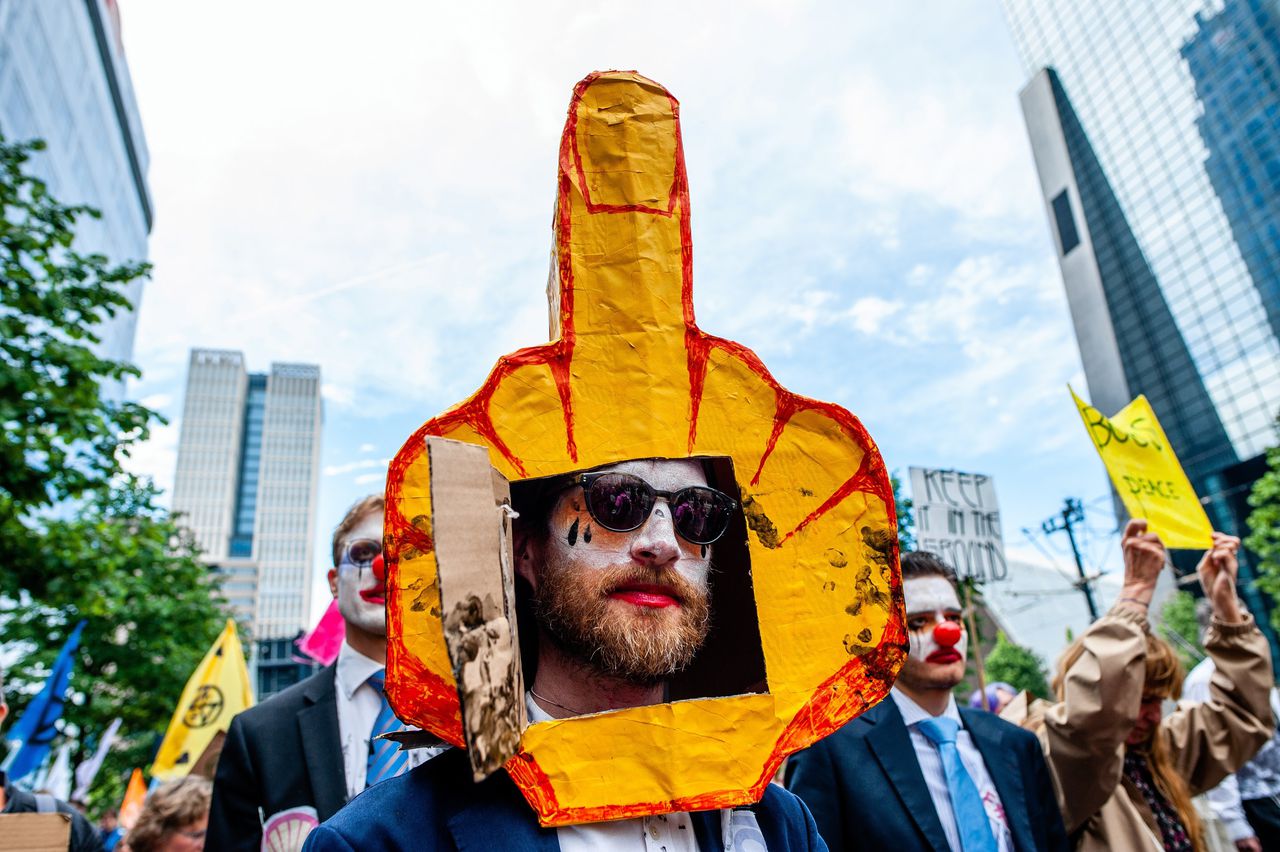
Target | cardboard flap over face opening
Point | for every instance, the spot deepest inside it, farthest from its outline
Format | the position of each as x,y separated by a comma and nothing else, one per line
472,523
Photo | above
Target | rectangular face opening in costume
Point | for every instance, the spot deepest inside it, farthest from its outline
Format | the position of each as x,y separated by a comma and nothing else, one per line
490,627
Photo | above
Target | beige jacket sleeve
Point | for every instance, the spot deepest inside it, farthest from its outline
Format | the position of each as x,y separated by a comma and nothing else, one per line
1208,741
1084,734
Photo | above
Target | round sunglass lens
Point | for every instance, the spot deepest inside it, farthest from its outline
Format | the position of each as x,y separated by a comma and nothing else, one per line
363,552
620,502
700,515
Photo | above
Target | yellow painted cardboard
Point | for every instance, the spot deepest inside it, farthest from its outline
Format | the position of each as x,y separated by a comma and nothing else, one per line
629,374
1147,474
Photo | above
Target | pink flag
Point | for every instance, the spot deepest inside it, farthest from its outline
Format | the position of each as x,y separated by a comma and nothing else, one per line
322,643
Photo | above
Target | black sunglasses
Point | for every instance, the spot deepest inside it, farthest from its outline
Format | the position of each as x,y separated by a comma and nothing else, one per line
622,502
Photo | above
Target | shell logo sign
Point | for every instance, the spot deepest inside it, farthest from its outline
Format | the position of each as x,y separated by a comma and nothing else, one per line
628,374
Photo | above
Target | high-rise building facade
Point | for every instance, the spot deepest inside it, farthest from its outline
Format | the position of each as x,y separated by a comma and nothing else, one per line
1155,128
246,483
64,79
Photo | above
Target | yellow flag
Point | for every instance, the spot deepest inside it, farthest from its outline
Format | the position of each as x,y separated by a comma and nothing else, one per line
217,691
1147,474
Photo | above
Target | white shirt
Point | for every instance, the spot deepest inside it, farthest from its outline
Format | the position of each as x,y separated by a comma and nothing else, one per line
358,707
662,833
930,760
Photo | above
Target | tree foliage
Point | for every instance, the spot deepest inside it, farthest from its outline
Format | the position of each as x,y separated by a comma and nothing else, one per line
1179,627
1264,529
1017,666
60,438
79,538
152,609
906,522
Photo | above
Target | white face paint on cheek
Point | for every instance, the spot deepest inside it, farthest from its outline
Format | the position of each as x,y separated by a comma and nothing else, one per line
352,580
931,595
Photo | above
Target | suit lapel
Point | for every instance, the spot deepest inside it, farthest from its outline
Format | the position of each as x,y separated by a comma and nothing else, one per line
497,810
1002,763
891,744
321,745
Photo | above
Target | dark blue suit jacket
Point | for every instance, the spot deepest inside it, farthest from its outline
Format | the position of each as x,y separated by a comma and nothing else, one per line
438,807
865,788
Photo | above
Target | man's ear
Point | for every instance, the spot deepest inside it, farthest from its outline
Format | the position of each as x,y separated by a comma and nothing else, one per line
526,555
333,581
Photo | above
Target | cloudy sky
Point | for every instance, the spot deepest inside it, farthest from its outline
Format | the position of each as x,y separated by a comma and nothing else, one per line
369,187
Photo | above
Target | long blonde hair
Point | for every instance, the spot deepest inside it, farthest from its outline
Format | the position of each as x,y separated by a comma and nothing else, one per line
1164,675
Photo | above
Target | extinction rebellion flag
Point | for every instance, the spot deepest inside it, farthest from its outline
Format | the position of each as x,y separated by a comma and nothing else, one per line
217,691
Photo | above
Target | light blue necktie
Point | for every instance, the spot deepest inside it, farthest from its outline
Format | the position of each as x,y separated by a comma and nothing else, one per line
966,802
386,758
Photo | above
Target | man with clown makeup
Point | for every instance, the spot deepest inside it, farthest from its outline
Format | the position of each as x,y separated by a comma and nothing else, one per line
304,753
916,772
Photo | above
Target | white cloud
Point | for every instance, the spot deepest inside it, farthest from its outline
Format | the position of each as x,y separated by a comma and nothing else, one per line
350,467
869,312
367,448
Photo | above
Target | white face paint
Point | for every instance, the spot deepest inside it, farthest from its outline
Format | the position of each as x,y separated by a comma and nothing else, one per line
930,601
361,595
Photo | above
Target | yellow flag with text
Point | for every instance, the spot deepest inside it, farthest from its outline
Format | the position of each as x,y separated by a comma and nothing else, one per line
218,690
1147,474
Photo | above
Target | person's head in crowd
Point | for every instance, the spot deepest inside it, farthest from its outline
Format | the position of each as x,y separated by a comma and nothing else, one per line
357,578
109,820
174,818
617,564
935,629
998,695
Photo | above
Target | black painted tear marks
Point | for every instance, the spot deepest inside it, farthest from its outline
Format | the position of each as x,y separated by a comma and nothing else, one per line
572,537
586,534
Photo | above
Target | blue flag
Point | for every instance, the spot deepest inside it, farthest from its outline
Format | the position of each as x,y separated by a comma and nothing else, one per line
35,730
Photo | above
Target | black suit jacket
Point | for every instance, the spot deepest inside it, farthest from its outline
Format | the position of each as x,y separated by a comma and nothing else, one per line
866,791
438,807
284,753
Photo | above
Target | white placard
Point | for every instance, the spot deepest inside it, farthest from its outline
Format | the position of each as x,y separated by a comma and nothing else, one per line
958,518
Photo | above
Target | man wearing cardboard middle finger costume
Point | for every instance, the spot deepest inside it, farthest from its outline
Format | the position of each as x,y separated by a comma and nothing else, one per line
632,573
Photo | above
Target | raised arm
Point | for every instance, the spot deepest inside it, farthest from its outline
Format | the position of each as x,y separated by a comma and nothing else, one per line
1209,740
1084,733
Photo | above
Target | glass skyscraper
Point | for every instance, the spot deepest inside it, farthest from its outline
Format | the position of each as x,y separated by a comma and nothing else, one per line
1155,128
247,480
64,79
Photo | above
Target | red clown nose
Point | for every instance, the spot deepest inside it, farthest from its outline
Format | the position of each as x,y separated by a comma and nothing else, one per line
380,570
946,634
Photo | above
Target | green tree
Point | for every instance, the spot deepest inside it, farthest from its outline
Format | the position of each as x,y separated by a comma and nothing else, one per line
1179,627
1264,529
1017,666
79,538
60,438
906,522
153,609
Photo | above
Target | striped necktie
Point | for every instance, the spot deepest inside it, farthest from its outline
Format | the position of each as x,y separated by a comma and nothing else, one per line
386,758
966,802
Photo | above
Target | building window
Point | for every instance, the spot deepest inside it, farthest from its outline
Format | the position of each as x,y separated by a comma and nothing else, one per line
1068,237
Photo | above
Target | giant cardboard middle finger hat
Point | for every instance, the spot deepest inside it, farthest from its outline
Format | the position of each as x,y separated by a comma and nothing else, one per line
628,374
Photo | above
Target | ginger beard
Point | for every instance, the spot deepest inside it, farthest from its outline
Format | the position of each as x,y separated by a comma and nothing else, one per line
360,592
636,620
931,601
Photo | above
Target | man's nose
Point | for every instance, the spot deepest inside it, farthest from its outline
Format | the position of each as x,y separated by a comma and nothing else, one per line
655,543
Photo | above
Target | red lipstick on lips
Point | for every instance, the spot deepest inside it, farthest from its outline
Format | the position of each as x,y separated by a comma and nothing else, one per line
644,594
942,656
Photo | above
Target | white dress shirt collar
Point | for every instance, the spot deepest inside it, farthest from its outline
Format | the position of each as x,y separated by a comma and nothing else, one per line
354,669
913,712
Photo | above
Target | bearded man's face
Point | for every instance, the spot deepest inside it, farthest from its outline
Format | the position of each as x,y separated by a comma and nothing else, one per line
633,605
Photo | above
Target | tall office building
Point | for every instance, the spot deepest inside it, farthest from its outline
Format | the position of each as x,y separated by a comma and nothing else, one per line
64,79
1154,127
246,484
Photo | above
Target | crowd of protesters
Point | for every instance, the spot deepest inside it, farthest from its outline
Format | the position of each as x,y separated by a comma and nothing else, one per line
1106,765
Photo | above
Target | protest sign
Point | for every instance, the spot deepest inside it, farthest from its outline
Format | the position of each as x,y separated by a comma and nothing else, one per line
1147,474
31,832
628,374
958,518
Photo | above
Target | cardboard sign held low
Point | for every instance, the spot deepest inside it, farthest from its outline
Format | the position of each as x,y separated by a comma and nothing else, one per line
34,832
1147,474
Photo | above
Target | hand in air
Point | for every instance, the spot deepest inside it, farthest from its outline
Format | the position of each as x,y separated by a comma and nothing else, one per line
1218,569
